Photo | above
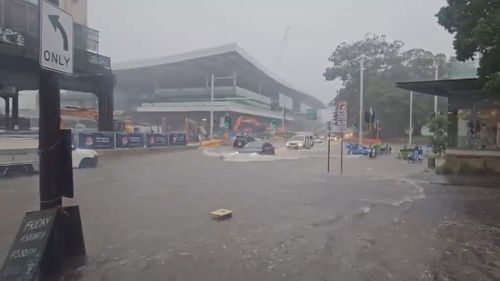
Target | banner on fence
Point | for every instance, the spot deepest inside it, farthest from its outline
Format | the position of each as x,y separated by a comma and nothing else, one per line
157,140
96,140
175,139
129,140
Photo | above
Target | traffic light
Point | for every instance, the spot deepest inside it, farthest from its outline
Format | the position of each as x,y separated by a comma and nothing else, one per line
227,121
334,116
274,124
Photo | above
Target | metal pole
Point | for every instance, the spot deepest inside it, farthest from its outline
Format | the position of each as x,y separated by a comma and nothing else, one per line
361,77
410,130
49,137
284,117
212,107
342,153
436,77
328,161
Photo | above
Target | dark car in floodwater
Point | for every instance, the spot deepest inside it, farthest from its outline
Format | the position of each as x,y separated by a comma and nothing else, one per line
241,141
259,147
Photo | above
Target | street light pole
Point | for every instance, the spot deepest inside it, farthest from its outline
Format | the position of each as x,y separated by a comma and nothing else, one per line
361,77
212,107
410,131
436,77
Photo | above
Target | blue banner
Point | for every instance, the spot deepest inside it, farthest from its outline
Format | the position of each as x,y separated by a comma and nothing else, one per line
129,140
96,140
176,139
156,140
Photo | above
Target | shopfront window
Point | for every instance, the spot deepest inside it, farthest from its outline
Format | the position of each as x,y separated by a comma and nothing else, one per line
479,129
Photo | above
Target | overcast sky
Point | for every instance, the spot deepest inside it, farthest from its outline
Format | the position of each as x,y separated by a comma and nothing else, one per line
133,29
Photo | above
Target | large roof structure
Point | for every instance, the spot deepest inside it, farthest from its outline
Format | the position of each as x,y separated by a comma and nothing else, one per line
445,88
189,70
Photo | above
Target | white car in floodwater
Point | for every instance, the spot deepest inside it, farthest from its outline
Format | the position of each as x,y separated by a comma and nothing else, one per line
84,158
300,142
27,161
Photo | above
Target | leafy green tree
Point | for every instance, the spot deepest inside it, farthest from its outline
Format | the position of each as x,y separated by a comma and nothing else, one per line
439,127
385,63
476,26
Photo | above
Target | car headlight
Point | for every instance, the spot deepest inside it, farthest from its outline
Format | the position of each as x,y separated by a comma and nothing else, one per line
287,144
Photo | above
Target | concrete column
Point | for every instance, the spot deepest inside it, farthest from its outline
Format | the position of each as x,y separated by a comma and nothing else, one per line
104,93
7,112
101,113
15,112
235,81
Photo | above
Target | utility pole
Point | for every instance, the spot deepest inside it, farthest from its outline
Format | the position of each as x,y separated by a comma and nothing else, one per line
212,107
410,130
436,77
284,118
329,137
361,77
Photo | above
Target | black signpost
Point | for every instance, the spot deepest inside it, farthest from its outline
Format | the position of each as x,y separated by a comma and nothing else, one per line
341,127
46,237
329,125
341,153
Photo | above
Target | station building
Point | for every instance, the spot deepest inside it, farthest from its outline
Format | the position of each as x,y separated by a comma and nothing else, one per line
179,92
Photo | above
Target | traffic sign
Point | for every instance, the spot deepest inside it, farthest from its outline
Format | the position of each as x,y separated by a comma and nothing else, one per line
341,116
56,39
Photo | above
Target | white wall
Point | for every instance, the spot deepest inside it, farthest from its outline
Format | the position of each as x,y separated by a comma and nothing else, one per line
77,8
304,107
285,101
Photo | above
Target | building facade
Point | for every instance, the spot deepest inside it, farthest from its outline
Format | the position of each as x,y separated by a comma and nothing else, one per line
19,56
176,92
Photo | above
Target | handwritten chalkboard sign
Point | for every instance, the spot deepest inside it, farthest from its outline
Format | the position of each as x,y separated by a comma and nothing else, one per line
26,252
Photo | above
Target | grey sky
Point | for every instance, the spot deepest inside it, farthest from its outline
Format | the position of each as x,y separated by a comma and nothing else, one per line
132,29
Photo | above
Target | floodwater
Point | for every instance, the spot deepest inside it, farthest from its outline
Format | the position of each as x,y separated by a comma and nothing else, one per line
146,217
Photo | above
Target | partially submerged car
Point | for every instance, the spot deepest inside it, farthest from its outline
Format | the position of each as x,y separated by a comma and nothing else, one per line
259,147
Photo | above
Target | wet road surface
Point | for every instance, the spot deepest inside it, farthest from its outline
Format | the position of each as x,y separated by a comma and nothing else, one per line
145,217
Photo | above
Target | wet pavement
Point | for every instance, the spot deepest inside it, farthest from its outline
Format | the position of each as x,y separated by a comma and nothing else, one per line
146,217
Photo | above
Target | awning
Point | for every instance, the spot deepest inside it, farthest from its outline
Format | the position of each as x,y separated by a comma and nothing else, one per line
467,88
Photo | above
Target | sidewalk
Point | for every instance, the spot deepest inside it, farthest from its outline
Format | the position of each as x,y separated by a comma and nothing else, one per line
460,180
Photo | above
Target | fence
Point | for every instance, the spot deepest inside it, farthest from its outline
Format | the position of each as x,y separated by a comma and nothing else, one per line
118,140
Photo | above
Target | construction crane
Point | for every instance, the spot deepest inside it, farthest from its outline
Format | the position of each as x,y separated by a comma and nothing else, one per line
283,46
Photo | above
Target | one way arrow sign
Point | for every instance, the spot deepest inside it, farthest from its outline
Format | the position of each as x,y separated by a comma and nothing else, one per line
56,39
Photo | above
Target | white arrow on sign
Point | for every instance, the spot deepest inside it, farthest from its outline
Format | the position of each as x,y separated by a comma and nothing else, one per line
56,39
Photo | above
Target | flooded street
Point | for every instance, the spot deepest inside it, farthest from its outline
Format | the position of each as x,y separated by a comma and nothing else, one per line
291,220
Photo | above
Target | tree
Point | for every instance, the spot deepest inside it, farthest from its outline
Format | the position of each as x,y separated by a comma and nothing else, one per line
476,26
439,126
385,63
